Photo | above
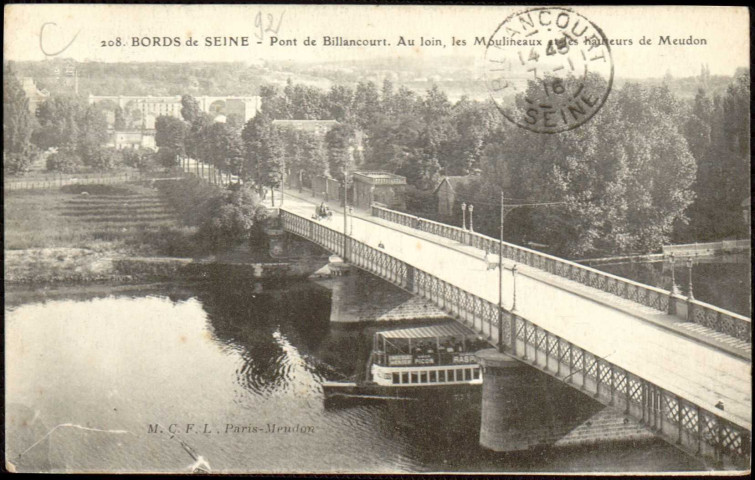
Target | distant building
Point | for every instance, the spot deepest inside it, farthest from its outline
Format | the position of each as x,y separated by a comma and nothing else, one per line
150,107
380,187
447,191
35,96
121,139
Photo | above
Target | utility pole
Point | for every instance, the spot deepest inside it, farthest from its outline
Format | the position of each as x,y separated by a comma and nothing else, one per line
500,283
345,210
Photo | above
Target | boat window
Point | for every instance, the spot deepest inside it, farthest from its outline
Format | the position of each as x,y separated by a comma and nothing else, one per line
450,375
396,377
467,374
423,377
442,376
415,379
433,377
476,373
405,377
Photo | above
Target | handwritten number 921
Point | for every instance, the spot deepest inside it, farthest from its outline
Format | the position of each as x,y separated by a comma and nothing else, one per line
266,23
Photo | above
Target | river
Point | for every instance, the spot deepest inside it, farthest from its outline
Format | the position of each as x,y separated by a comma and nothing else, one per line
168,377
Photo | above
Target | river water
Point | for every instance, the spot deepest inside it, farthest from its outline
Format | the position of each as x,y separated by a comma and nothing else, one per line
168,377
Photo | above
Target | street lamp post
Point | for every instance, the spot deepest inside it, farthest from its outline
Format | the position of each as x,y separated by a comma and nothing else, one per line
463,215
674,288
471,222
345,211
689,283
346,203
513,280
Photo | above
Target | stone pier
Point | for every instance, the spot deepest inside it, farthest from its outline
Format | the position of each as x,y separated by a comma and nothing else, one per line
359,297
524,408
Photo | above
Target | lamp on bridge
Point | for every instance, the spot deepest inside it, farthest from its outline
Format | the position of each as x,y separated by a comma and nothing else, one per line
689,272
471,220
463,215
674,287
513,288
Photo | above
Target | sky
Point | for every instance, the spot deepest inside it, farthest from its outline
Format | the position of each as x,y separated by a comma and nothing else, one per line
32,31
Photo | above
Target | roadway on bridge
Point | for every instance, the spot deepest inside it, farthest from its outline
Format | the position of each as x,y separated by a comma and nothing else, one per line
582,315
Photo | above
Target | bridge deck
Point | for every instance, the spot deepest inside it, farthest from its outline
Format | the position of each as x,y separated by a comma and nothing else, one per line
599,322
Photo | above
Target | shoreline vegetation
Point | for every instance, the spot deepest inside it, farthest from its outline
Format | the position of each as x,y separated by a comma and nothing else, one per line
133,232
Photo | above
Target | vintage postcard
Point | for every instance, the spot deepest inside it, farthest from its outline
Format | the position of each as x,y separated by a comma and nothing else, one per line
377,239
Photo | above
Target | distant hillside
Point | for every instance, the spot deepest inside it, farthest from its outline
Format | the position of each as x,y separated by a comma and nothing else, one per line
99,78
457,77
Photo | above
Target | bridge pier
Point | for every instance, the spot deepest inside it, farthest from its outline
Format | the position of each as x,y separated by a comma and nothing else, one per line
524,408
359,297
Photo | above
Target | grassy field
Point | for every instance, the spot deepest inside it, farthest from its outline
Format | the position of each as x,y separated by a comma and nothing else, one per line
129,218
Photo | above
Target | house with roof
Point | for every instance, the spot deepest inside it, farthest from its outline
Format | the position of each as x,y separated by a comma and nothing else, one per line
447,191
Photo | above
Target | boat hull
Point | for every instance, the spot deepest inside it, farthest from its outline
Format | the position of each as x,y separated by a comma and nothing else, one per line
372,391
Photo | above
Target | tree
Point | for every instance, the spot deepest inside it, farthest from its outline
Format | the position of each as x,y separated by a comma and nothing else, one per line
624,177
194,143
272,104
339,142
366,104
234,214
104,159
58,124
18,125
717,132
224,148
64,161
170,135
263,153
387,101
314,162
190,110
92,127
338,102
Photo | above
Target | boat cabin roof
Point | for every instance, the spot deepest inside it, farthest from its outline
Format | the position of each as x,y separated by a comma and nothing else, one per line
431,331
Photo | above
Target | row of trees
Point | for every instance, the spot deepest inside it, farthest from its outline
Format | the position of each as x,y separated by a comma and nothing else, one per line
71,133
650,168
257,152
420,137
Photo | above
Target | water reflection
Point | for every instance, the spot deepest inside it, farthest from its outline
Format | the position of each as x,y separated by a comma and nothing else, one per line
212,369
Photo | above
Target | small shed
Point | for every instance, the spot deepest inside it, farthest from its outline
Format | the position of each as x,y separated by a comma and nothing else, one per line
447,190
380,187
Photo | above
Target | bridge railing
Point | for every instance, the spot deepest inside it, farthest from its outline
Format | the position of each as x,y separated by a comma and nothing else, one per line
706,432
718,319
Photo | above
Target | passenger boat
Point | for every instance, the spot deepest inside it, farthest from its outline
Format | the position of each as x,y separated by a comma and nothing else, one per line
412,361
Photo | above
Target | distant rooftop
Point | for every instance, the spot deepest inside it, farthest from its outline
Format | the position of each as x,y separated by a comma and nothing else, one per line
379,178
455,181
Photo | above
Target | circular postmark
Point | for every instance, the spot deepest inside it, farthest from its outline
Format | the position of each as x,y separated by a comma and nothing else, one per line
548,69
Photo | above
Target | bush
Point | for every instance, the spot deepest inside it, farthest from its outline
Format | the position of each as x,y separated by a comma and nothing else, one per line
224,217
422,203
64,162
19,163
104,159
143,159
167,158
232,219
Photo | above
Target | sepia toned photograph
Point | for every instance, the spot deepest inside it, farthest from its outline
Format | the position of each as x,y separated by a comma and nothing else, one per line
377,239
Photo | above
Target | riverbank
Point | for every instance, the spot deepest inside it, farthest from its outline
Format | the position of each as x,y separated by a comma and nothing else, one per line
121,234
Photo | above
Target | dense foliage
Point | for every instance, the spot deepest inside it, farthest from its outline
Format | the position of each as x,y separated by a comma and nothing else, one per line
651,167
18,125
